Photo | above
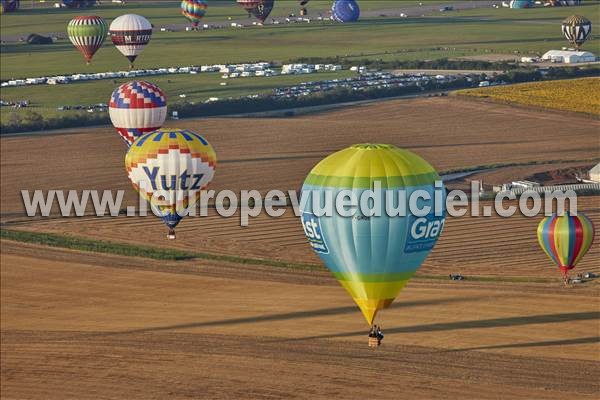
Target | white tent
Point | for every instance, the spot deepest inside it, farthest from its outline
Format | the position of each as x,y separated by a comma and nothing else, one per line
569,56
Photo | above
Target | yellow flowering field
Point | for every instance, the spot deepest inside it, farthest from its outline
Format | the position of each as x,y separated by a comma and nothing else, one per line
579,95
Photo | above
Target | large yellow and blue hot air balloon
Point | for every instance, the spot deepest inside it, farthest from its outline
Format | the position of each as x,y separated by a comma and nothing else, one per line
373,257
566,239
169,168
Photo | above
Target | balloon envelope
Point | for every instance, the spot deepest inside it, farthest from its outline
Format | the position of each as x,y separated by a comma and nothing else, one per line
372,257
565,239
576,29
169,168
263,10
87,33
345,11
194,10
557,3
521,3
249,5
7,6
130,33
136,108
78,3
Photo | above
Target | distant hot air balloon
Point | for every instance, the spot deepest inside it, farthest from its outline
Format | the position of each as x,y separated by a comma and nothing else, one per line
345,11
169,168
248,5
372,257
130,33
567,3
78,3
194,10
261,9
87,33
576,29
136,108
8,6
303,9
566,239
521,3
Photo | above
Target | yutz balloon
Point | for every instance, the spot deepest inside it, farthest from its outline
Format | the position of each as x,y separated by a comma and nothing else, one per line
170,168
373,257
566,239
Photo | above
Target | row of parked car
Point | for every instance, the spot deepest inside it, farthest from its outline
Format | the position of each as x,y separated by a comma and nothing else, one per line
368,80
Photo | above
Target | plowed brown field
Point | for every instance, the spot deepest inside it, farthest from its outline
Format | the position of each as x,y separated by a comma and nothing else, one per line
84,325
78,325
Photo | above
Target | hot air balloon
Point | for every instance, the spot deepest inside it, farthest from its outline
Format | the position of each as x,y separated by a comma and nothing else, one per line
169,168
372,257
303,9
78,3
345,11
566,239
136,108
521,3
87,33
567,3
7,6
194,10
576,30
130,33
263,10
248,5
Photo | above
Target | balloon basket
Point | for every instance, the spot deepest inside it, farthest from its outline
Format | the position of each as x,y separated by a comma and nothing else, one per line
171,235
374,342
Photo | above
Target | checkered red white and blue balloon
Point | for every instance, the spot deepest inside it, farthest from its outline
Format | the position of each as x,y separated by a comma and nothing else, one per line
136,108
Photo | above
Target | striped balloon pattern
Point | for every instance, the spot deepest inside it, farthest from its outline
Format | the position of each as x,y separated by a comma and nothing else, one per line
87,33
194,10
566,239
136,108
576,29
372,257
169,168
130,33
345,10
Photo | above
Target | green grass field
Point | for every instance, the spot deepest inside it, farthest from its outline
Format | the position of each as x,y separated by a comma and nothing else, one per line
437,35
484,29
197,88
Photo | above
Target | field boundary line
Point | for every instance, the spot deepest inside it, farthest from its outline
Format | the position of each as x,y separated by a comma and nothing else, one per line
130,250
